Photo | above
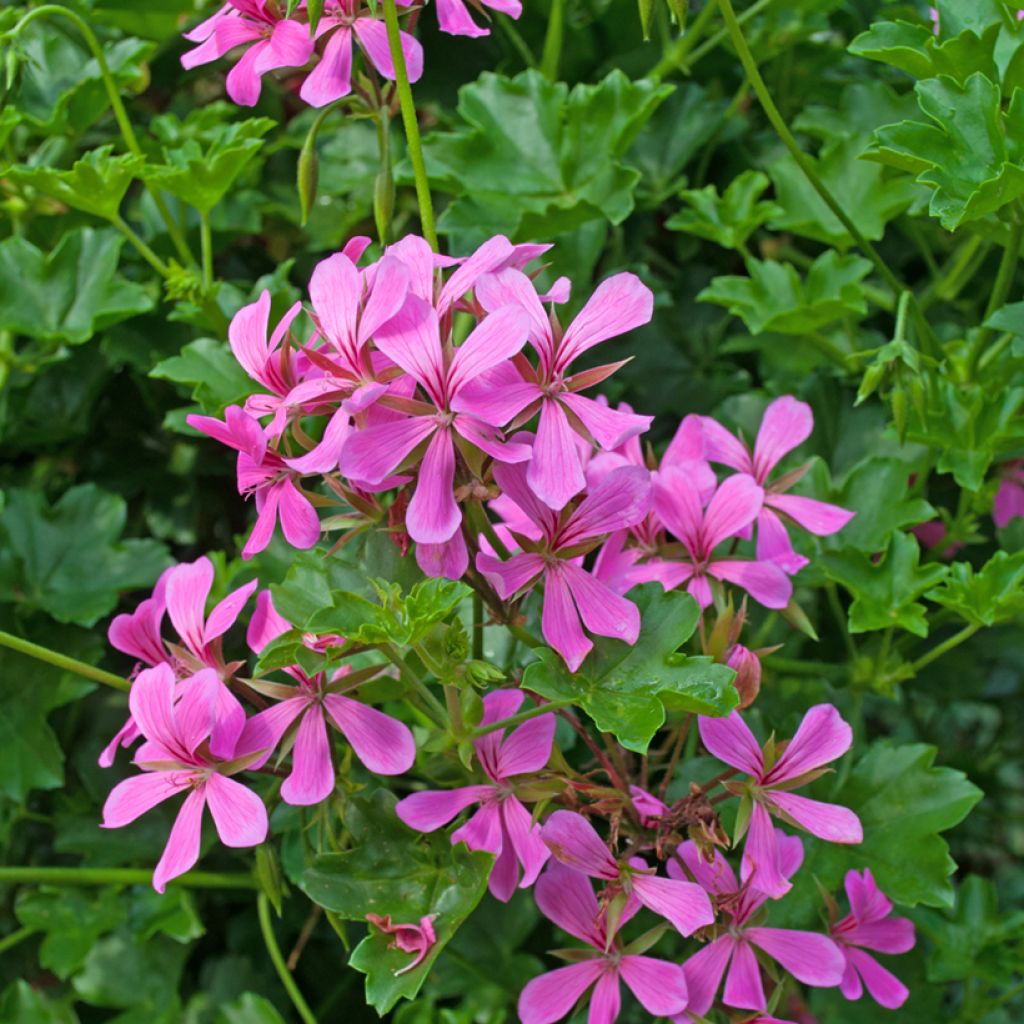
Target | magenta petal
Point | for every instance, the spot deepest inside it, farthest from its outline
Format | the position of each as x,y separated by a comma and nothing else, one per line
658,985
499,336
703,972
603,611
885,988
524,838
312,776
851,985
494,253
527,748
515,486
555,474
513,287
335,290
560,622
290,46
743,986
621,499
448,560
552,996
610,428
606,1000
497,396
373,38
505,874
225,614
762,858
766,582
811,958
731,741
823,736
489,440
131,798
325,456
332,77
373,454
384,744
483,831
263,731
787,423
434,808
243,82
512,576
182,849
454,18
722,447
299,522
732,509
830,822
566,897
867,902
188,587
151,702
685,905
238,813
433,515
774,545
196,708
573,841
717,877
818,517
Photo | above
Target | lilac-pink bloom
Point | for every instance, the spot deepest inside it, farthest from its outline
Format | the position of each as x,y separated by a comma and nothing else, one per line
822,737
177,720
571,594
811,958
567,899
648,806
502,824
454,18
409,938
573,841
382,743
1009,501
731,510
869,925
620,304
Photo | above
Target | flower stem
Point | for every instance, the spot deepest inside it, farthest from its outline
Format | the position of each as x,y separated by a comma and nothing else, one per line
121,876
478,627
947,645
141,247
552,52
411,125
1000,292
411,680
16,643
276,958
206,241
12,940
523,716
675,55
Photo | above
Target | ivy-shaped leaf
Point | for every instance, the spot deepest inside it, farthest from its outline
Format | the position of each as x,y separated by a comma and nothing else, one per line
994,593
728,219
210,369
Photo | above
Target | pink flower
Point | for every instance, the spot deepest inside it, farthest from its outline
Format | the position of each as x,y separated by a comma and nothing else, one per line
565,897
382,743
748,673
620,304
650,809
787,423
731,510
869,926
177,721
454,18
822,737
409,938
573,841
570,592
811,958
502,824
1009,502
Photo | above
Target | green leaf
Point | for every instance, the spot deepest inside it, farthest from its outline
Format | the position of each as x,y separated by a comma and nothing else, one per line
121,973
96,183
201,174
627,689
885,592
994,593
898,43
249,1009
877,489
904,802
957,15
22,1004
391,871
533,157
70,293
210,369
69,559
774,298
729,219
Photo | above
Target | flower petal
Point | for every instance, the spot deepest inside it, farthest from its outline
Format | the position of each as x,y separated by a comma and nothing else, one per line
658,985
743,986
151,702
703,972
685,905
511,576
238,813
552,996
433,808
885,988
605,1000
559,620
811,958
136,795
731,741
524,838
371,455
384,744
555,473
817,517
733,507
603,611
499,336
312,776
483,831
527,748
373,38
433,515
762,857
787,423
764,581
610,428
188,587
823,736
621,499
566,897
332,77
573,841
830,822
182,849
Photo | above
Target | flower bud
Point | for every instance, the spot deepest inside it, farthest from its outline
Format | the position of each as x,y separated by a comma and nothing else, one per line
748,674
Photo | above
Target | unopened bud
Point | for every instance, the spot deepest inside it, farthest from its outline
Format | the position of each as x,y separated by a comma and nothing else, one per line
748,674
308,177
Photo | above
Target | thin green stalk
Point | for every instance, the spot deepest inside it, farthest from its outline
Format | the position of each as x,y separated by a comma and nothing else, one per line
276,958
411,125
524,636
1000,292
141,247
12,940
832,596
416,684
478,627
947,645
31,875
519,44
955,272
722,34
206,241
16,643
675,56
523,716
551,55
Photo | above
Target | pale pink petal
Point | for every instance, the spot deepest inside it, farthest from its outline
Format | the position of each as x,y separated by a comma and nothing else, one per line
136,795
498,337
573,841
505,874
555,474
818,517
513,286
263,731
610,428
703,972
373,454
138,634
605,1000
384,744
560,622
433,514
238,813
312,776
247,335
811,958
659,986
299,522
243,82
830,822
743,986
228,33
524,839
566,897
151,702
603,611
182,849
677,503
433,808
823,736
188,587
332,77
498,396
717,877
885,988
527,748
420,260
483,831
618,305
764,581
448,560
763,865
510,577
733,508
787,423
774,545
515,486
851,986
373,38
620,500
722,447
490,256
325,456
225,614
488,439
501,704
124,737
731,741
454,18
335,290
685,905
552,996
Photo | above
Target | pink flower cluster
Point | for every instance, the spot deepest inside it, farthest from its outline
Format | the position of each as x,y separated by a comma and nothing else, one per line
274,40
428,372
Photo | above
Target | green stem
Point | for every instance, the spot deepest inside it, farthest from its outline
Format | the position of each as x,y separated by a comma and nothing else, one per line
675,56
519,44
523,716
947,645
141,247
552,52
15,643
121,876
206,242
1000,293
411,680
834,603
524,636
411,125
478,627
722,34
901,316
263,910
12,940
